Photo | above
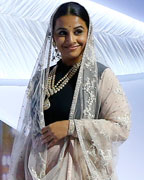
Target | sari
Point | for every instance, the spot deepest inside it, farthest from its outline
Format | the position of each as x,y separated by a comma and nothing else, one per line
99,121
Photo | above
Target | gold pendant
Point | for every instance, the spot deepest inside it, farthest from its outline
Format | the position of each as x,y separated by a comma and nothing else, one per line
46,104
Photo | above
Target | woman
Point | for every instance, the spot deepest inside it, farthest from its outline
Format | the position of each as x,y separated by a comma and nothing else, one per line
75,113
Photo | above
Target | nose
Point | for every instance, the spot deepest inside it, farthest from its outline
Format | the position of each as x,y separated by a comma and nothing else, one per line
70,39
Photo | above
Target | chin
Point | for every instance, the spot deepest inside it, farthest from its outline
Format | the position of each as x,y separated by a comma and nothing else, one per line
71,56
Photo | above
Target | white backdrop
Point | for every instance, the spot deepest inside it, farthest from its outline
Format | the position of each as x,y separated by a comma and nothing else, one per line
130,164
119,43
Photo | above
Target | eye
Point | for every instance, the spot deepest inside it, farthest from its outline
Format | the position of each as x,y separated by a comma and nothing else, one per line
78,32
62,33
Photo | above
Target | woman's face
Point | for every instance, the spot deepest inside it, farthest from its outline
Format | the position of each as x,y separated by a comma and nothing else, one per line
70,36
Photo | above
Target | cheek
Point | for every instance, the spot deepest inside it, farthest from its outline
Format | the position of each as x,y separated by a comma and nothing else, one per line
83,40
59,42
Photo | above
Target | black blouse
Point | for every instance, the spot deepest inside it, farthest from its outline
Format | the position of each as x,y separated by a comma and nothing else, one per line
62,100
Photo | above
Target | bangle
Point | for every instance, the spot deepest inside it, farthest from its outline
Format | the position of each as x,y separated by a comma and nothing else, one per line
71,127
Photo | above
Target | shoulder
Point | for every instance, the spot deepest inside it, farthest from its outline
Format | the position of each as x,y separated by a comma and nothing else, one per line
106,75
109,78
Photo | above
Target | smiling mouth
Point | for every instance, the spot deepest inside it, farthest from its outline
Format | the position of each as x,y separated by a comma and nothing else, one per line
72,47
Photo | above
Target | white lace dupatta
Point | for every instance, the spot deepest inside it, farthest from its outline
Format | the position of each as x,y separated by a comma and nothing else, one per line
99,121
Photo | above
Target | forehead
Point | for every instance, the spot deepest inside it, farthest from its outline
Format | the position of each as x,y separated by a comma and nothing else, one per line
69,21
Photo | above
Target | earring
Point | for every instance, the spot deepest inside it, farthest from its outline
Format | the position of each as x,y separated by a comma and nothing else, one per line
56,54
54,44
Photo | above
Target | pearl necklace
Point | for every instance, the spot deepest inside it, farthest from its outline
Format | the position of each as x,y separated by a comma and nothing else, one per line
52,88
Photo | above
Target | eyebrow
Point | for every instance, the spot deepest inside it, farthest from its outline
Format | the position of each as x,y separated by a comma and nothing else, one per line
79,27
66,29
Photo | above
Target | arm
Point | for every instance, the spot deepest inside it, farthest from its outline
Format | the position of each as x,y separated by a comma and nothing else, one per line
114,122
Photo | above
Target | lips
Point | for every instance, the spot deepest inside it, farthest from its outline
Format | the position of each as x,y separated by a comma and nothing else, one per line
72,47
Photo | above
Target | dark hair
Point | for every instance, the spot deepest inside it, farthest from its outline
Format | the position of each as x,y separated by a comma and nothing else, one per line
71,8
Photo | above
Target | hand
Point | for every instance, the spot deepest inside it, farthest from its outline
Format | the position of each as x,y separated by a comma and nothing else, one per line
52,133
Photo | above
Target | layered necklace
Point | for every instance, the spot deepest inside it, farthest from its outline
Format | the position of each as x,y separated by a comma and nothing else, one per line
52,88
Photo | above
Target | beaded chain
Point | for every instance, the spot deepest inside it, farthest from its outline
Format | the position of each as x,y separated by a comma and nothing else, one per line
52,88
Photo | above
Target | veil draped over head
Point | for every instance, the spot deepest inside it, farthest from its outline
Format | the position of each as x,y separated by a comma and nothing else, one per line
88,151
